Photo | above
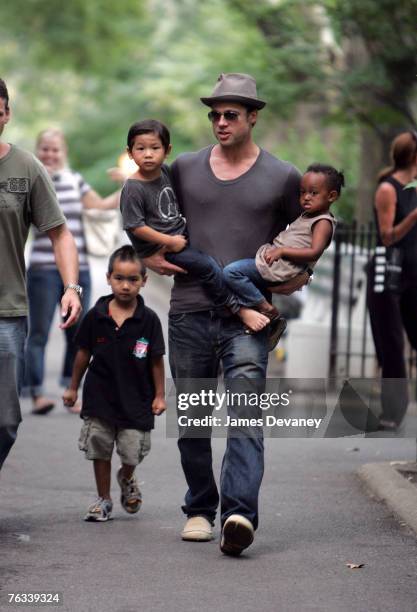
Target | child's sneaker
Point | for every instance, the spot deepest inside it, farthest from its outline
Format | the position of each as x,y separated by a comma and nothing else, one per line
131,497
99,511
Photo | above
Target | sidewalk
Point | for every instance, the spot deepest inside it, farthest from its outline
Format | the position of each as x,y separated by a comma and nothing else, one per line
315,518
394,483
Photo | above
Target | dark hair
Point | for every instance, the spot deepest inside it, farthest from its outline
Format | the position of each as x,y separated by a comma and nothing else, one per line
149,126
403,153
126,253
335,179
4,94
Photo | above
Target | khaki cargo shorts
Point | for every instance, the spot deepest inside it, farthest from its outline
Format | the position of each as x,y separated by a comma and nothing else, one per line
97,440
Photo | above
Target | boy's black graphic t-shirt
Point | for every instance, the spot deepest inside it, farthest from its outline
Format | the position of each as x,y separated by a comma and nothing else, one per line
151,203
118,387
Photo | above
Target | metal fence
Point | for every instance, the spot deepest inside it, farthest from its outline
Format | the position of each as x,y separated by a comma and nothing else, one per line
354,246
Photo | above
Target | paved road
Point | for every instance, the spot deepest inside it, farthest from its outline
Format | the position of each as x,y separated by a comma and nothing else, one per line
315,518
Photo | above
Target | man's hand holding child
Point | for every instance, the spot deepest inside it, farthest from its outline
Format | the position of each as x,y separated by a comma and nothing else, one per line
176,243
160,265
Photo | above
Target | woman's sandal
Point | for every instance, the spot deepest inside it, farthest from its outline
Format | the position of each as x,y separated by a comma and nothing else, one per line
42,405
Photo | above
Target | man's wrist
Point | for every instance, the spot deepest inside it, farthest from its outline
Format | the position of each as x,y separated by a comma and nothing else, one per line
75,287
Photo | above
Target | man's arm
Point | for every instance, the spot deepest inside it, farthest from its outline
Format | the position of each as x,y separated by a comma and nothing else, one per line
292,208
292,285
66,258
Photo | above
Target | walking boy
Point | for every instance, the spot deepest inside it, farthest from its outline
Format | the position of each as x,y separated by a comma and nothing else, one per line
124,386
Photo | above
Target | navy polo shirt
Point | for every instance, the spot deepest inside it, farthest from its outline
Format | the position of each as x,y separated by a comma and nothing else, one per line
118,387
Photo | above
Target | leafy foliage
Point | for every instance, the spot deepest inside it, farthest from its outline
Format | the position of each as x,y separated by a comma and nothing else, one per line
379,87
325,68
83,36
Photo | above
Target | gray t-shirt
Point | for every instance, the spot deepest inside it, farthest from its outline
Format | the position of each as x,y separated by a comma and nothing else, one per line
231,219
26,196
151,203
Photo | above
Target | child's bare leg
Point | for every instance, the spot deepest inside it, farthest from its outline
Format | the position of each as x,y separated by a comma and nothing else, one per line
127,471
102,472
131,496
253,319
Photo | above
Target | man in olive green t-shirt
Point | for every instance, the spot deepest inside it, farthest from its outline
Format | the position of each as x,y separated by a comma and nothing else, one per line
26,196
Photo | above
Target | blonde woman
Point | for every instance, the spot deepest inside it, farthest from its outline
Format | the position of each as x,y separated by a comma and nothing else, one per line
44,283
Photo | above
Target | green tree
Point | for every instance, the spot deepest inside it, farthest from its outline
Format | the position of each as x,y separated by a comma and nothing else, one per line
377,83
83,36
360,57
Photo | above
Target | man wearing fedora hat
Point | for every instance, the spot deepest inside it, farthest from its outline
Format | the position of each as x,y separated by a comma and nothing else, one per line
235,196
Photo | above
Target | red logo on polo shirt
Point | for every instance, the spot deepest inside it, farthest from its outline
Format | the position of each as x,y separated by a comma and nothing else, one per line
141,348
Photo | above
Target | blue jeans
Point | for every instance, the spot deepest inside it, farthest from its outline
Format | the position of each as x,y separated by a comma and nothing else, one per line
209,273
198,342
244,280
45,290
12,348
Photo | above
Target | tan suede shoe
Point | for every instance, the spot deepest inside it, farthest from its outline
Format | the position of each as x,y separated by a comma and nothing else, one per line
197,529
237,535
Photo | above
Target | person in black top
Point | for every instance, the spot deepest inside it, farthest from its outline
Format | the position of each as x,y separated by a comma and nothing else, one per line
121,344
393,309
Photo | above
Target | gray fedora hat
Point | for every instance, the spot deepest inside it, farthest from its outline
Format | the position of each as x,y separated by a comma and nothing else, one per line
235,87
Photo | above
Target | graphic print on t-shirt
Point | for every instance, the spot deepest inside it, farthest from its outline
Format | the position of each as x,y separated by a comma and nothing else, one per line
141,348
13,192
167,204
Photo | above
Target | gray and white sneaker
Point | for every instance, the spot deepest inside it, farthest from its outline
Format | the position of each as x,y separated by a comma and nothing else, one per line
99,511
130,497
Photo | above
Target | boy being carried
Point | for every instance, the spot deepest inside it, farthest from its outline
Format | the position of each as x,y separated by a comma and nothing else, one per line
121,344
152,220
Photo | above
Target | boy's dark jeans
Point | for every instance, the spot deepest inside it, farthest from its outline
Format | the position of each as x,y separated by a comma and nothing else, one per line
208,271
198,342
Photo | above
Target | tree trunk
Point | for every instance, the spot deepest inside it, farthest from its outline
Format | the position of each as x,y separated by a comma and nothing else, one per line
371,161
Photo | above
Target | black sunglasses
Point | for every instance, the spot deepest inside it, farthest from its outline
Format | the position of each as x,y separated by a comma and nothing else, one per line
229,115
